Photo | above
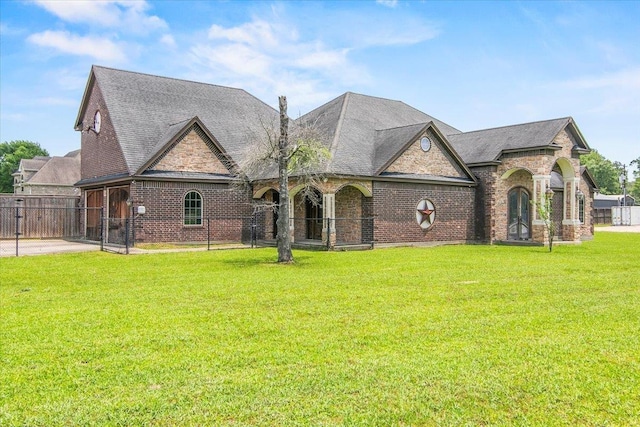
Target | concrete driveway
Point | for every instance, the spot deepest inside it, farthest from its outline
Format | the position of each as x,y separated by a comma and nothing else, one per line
44,247
619,229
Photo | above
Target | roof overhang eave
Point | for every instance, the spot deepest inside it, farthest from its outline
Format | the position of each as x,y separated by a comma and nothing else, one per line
419,180
482,164
553,147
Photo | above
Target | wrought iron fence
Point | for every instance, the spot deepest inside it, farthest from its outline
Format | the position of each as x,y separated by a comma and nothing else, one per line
32,229
36,227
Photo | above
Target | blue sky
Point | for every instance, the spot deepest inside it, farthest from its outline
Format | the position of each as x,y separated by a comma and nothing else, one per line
473,65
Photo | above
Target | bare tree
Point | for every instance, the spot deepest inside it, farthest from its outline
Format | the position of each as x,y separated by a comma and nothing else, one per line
297,150
545,212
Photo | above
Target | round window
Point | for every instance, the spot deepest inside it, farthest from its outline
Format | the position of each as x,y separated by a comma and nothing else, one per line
97,122
425,144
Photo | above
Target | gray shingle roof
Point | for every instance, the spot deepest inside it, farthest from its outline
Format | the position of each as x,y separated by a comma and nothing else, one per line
63,171
362,132
33,164
365,131
145,109
486,145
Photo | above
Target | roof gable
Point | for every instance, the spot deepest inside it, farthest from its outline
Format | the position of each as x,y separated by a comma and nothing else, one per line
361,130
438,160
144,107
486,146
189,147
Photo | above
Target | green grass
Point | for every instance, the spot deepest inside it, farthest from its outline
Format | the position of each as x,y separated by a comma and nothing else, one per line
452,335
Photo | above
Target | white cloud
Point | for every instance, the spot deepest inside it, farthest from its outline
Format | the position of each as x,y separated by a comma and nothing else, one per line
270,57
14,117
168,41
7,30
627,79
256,33
235,58
96,47
128,15
388,3
57,101
322,58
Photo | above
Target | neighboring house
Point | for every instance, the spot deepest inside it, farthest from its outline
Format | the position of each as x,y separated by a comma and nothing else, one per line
175,147
48,176
607,201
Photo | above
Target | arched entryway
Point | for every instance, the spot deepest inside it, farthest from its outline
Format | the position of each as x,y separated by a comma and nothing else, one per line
268,213
313,215
519,214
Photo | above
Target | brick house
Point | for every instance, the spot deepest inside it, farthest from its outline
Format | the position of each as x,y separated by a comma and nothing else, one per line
48,176
396,174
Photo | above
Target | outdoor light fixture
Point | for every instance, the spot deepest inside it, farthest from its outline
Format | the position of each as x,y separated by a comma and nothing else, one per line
549,193
579,194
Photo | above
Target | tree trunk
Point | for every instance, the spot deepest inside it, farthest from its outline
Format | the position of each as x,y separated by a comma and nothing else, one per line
283,236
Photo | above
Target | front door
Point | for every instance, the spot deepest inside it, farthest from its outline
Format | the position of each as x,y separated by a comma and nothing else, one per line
519,218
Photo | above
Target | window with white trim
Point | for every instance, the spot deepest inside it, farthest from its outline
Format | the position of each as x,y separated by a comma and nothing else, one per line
192,208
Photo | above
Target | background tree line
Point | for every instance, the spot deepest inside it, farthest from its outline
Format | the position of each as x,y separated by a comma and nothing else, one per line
10,155
607,174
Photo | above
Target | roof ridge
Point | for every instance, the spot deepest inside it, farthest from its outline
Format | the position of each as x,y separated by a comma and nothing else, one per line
516,125
405,126
343,110
169,78
376,97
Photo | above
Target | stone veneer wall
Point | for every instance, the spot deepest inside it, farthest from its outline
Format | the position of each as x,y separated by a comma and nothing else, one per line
394,209
586,228
228,210
521,178
436,161
191,154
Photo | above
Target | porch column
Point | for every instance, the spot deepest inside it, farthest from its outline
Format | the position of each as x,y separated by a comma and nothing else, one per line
540,185
570,216
291,219
329,220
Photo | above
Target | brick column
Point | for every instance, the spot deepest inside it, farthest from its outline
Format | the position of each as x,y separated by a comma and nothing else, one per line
329,220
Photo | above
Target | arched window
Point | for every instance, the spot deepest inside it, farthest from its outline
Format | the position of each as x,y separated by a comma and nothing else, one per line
193,208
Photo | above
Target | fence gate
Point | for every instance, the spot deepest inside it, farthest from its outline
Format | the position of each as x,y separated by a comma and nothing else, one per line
28,225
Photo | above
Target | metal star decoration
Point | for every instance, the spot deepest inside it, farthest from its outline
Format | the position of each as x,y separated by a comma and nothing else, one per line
425,213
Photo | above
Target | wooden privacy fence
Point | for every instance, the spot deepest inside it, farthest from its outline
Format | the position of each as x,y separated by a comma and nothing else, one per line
40,217
602,216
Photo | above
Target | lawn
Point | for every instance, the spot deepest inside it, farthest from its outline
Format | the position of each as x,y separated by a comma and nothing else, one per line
452,335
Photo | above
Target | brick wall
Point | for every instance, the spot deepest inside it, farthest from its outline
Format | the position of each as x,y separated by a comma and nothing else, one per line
101,153
349,224
394,208
485,200
229,210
